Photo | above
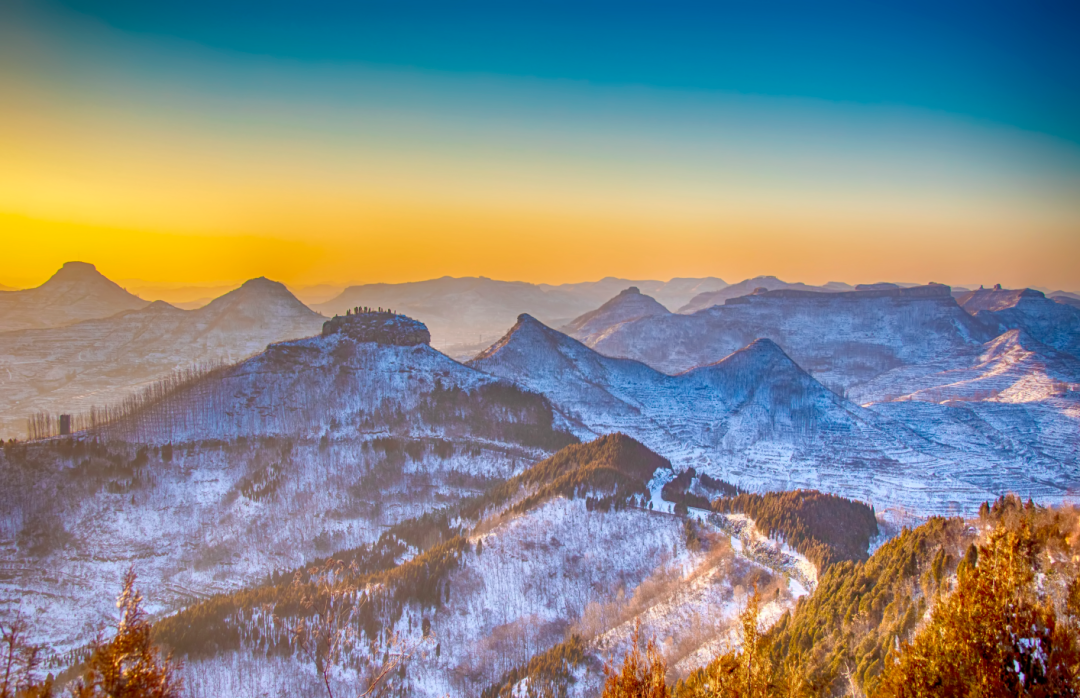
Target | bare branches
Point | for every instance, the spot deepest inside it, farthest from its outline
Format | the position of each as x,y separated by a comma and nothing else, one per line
20,661
329,635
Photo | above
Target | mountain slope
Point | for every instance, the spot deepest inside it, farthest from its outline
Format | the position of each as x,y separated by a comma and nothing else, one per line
465,315
75,293
1013,367
842,339
629,305
759,421
1050,322
748,286
312,447
98,362
366,372
532,570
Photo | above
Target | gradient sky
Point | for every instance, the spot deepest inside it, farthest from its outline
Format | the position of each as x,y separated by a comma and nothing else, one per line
334,141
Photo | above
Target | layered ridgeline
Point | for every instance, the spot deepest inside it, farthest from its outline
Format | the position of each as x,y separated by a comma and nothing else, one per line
95,363
313,446
542,576
75,293
1052,323
465,315
708,299
1011,368
630,304
757,420
671,294
843,339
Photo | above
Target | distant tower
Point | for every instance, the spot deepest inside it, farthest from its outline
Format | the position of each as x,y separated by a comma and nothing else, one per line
65,424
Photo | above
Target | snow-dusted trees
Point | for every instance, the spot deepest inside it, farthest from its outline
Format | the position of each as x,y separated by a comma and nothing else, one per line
643,674
127,666
329,637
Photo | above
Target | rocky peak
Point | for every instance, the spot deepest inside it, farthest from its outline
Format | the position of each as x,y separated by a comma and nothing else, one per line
379,327
630,304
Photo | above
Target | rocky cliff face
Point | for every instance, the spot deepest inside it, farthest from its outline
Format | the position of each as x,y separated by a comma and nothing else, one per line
381,328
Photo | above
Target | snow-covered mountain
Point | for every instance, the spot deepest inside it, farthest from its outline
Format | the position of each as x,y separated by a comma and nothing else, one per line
671,294
99,362
842,339
1050,322
314,446
75,293
465,315
543,565
756,419
630,304
1013,368
744,288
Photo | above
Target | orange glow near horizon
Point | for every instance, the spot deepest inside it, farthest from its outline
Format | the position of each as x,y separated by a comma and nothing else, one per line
184,184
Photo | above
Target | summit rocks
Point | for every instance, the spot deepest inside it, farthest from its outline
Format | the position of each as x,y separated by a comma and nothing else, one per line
381,328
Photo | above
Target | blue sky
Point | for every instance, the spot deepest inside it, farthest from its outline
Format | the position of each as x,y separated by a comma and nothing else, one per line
1016,63
355,141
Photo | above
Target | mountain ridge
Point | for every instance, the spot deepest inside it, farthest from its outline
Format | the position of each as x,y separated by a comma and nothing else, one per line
629,305
755,419
97,362
76,292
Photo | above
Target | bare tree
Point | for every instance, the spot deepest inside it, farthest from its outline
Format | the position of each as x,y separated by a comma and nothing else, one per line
329,636
20,661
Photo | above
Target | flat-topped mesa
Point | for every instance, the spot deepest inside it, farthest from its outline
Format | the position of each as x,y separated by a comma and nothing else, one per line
379,327
996,298
930,291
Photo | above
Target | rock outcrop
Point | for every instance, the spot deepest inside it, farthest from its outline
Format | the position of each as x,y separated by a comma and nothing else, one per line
380,328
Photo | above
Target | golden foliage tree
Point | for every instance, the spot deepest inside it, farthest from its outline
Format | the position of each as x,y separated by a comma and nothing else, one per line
128,666
993,636
643,674
744,673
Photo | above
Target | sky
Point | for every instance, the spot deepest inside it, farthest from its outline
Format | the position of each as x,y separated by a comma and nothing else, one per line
356,142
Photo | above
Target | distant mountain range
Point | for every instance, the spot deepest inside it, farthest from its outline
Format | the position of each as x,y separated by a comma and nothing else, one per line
462,489
841,338
98,362
1053,323
465,315
756,419
75,293
744,288
629,305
